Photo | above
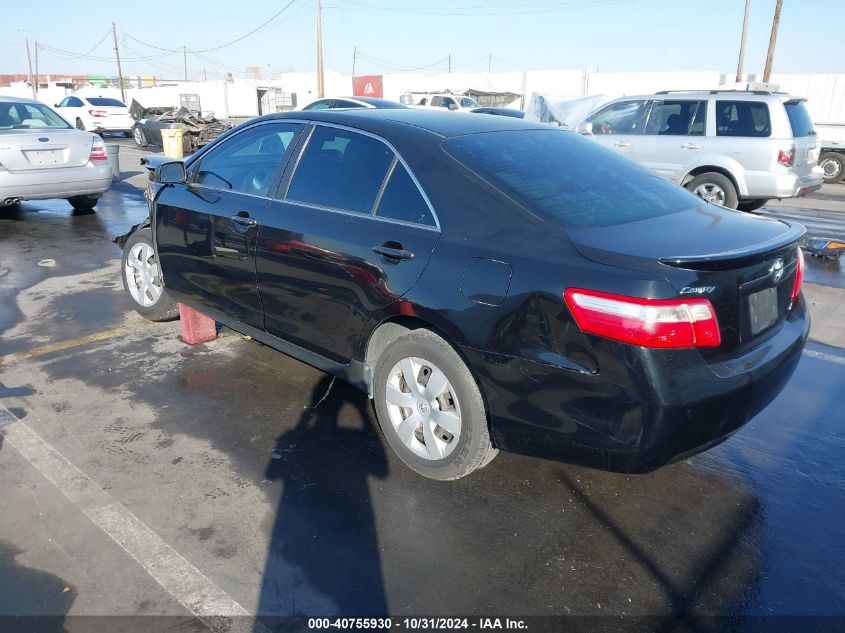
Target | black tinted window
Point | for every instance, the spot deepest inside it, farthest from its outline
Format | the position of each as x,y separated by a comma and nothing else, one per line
742,118
567,179
341,170
249,161
402,199
103,101
799,119
677,118
73,102
619,118
319,105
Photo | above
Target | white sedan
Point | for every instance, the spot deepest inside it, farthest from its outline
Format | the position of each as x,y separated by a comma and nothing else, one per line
96,114
42,157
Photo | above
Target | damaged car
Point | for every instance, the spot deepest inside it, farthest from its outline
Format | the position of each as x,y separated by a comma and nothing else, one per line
197,130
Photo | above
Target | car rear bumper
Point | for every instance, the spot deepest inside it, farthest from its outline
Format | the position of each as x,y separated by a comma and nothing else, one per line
673,403
57,182
770,185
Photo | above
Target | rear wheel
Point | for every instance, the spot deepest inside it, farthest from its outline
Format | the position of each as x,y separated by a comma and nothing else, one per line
79,124
430,408
833,165
751,205
139,136
142,278
83,203
714,187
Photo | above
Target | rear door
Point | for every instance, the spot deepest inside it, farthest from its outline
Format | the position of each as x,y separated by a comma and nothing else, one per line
351,231
205,230
673,140
619,125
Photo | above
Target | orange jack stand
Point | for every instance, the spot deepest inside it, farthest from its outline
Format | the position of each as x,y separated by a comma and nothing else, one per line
196,327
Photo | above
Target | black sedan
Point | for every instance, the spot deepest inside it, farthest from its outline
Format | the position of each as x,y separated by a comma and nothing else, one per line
491,283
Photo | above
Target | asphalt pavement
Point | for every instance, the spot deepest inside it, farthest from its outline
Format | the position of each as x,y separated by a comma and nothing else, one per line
194,487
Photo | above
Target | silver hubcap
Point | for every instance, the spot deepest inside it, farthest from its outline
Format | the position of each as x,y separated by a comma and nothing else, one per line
711,193
423,408
137,134
142,275
831,168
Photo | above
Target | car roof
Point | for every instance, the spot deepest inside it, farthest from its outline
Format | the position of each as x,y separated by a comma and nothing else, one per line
373,101
9,99
445,124
738,95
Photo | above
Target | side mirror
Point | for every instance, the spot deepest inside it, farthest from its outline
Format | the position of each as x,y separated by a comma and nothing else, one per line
171,173
584,127
56,105
453,106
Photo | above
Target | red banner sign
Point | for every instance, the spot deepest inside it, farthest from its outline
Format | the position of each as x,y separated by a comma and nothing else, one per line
368,86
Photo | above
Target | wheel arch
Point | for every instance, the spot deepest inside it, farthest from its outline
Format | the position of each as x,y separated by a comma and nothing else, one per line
728,172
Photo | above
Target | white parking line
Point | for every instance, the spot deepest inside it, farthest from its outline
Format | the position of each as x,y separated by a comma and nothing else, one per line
187,584
833,358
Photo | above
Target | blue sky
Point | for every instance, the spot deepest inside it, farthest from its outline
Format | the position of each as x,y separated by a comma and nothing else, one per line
615,35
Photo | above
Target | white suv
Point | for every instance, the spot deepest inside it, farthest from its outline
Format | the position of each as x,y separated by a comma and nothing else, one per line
735,148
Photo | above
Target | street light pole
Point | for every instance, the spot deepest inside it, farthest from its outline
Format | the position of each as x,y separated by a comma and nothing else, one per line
741,62
320,81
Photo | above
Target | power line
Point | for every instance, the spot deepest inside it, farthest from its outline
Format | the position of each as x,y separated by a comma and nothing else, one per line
488,11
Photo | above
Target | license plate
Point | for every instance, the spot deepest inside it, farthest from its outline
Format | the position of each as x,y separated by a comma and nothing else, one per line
763,309
44,156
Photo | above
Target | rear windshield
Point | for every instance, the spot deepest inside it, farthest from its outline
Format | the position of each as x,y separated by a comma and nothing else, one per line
24,116
103,101
567,179
799,119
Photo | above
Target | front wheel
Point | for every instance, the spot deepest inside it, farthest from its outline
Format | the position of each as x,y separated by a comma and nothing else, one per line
139,136
142,278
429,407
833,165
752,205
714,187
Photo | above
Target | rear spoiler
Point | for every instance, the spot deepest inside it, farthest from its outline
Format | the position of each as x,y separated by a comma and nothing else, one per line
715,261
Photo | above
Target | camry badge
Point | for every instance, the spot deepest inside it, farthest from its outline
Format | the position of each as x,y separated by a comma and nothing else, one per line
777,270
697,290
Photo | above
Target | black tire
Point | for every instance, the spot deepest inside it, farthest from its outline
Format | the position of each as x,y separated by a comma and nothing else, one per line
474,448
139,136
164,309
79,124
752,205
718,180
83,203
127,133
835,165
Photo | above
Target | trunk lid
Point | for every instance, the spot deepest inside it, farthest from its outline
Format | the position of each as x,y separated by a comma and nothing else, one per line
745,265
27,149
807,145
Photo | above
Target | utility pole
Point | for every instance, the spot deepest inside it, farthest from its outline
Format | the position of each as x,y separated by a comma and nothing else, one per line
489,63
185,61
204,74
450,63
354,58
741,62
117,57
29,61
36,67
320,84
770,55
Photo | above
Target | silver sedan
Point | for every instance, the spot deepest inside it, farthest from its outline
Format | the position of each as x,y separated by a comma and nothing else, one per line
42,156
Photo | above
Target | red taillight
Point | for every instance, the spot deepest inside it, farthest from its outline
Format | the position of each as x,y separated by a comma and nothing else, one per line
667,323
799,276
786,157
97,113
98,150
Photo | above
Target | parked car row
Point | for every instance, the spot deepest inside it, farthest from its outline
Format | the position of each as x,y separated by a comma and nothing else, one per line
493,284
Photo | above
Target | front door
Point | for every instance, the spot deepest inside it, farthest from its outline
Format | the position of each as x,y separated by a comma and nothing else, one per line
674,139
619,125
350,232
205,230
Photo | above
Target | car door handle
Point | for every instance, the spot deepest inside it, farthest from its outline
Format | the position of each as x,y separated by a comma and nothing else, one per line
243,219
690,146
620,144
393,253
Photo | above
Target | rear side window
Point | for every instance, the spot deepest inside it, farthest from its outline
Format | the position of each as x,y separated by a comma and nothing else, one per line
677,118
402,199
567,179
341,170
743,118
620,118
799,119
103,101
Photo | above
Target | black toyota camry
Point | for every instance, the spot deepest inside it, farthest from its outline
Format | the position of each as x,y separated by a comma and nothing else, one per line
491,283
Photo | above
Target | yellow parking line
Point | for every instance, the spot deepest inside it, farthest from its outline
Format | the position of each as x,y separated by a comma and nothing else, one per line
61,346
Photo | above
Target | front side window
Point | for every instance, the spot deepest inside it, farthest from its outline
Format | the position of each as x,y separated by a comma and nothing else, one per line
402,199
29,116
467,102
340,169
677,118
319,105
74,102
743,118
63,102
620,118
248,162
